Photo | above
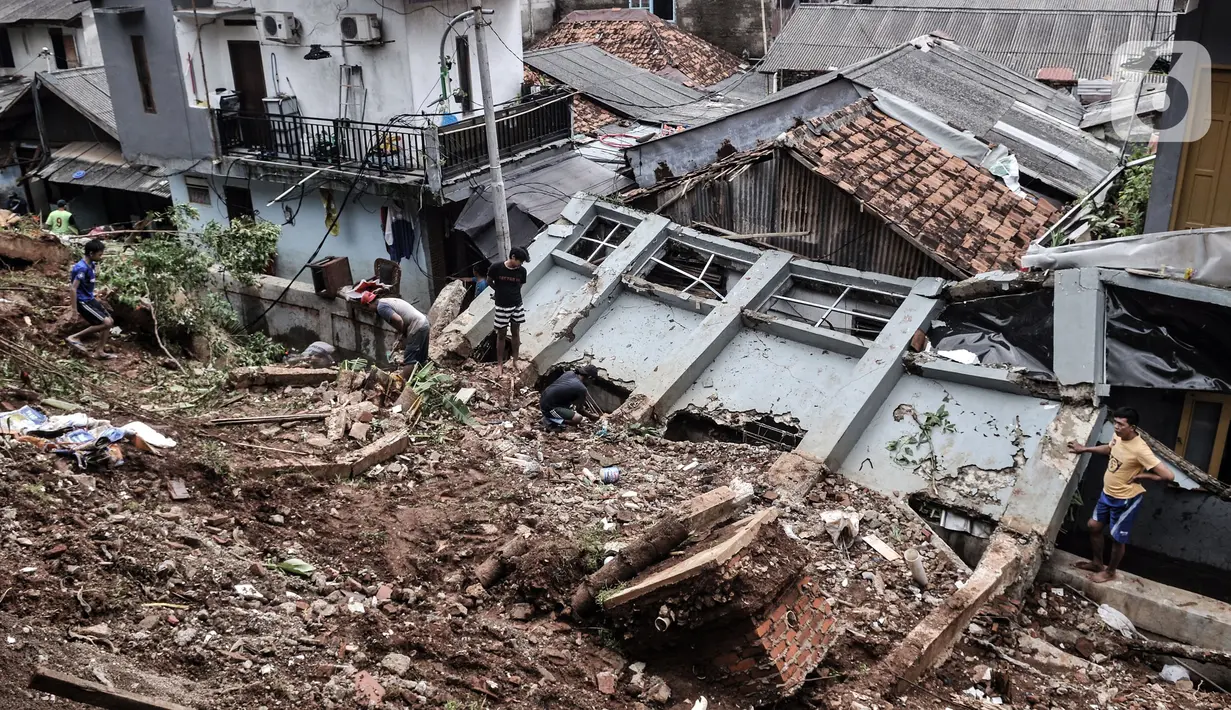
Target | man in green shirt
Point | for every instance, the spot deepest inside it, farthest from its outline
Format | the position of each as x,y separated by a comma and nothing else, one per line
60,221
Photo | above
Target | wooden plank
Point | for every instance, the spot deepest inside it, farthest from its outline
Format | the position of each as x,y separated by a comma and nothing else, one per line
271,419
66,686
879,545
691,567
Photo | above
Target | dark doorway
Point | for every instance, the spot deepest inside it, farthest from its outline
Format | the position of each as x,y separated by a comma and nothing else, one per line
463,74
239,202
248,73
58,47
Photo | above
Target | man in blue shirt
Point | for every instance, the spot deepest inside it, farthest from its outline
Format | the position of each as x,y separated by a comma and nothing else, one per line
99,320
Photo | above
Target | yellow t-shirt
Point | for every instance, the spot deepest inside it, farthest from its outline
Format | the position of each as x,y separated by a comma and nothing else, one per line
1128,458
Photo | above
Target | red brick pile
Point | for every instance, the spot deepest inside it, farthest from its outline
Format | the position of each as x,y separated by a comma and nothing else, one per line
639,37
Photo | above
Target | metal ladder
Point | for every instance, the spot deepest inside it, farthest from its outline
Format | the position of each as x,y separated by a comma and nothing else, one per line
352,94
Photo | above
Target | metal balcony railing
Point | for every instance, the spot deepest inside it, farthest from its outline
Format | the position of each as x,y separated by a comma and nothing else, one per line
544,119
323,142
381,148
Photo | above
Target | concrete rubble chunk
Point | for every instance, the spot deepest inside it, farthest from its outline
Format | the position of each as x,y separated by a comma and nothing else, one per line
606,681
278,376
396,664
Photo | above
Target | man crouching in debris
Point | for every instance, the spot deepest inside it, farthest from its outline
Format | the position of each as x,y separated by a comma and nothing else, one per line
412,328
564,401
1130,462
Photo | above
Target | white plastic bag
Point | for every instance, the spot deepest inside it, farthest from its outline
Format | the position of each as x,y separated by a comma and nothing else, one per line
148,435
1118,621
1174,674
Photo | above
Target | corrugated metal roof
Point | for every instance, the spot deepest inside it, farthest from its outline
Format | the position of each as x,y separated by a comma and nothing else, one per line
38,11
626,88
11,92
86,90
822,37
973,93
1049,5
102,165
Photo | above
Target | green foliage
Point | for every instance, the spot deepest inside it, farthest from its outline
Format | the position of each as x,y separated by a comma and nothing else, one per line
436,392
168,273
1123,214
917,450
215,458
244,247
609,592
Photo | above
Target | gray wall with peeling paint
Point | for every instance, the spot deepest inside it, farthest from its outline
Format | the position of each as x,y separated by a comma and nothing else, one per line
633,336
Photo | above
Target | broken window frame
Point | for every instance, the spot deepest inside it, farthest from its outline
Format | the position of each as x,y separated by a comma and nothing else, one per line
699,279
1221,429
831,308
584,236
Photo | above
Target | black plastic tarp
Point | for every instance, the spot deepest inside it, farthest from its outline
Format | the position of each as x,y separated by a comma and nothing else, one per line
1171,343
1004,330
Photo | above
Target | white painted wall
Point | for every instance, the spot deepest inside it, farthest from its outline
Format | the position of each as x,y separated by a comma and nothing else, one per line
401,76
359,233
28,40
210,65
537,17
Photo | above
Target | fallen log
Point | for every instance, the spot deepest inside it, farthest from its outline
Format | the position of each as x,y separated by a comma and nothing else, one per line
501,562
700,513
66,686
1179,650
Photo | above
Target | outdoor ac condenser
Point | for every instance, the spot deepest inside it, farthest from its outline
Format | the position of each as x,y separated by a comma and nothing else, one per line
360,29
281,27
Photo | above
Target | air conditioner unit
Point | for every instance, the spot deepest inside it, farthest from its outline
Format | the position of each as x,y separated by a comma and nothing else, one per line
360,29
282,27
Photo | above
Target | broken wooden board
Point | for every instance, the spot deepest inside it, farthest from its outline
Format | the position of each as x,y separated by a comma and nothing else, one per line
66,686
746,532
880,546
378,451
271,419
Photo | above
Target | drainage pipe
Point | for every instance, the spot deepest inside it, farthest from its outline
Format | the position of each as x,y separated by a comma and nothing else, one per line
915,562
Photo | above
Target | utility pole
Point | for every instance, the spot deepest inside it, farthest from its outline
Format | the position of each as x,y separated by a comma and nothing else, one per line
493,148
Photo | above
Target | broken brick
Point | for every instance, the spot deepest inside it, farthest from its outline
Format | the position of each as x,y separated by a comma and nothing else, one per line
606,682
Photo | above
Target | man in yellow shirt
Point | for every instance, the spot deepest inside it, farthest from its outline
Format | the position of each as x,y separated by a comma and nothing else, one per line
1130,462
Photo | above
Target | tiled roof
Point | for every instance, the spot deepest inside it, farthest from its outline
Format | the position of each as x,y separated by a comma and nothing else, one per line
646,40
86,90
38,11
625,88
821,37
940,202
588,116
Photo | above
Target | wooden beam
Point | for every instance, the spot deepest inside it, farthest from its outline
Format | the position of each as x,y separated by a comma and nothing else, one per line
272,419
72,688
1205,480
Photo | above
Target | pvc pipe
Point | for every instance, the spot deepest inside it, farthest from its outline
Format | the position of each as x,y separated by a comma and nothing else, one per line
915,562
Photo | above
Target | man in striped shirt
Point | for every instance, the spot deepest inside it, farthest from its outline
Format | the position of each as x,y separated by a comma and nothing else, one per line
506,279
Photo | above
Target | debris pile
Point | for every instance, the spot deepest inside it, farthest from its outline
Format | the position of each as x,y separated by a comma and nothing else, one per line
93,444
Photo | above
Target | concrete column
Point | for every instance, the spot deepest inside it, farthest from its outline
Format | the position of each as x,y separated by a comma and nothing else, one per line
674,376
1081,316
1045,484
849,410
578,312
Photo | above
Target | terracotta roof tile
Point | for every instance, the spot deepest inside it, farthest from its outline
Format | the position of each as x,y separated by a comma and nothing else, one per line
646,40
588,116
942,202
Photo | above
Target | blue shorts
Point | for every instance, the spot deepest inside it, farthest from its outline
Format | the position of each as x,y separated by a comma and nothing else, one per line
1118,514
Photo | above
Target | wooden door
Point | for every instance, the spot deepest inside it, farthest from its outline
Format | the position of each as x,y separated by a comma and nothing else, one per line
1204,193
248,73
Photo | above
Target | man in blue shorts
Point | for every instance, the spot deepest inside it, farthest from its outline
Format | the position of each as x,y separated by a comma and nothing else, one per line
1130,462
99,320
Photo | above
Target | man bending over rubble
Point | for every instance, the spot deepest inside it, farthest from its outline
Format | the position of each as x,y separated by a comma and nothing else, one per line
412,328
564,401
1130,462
